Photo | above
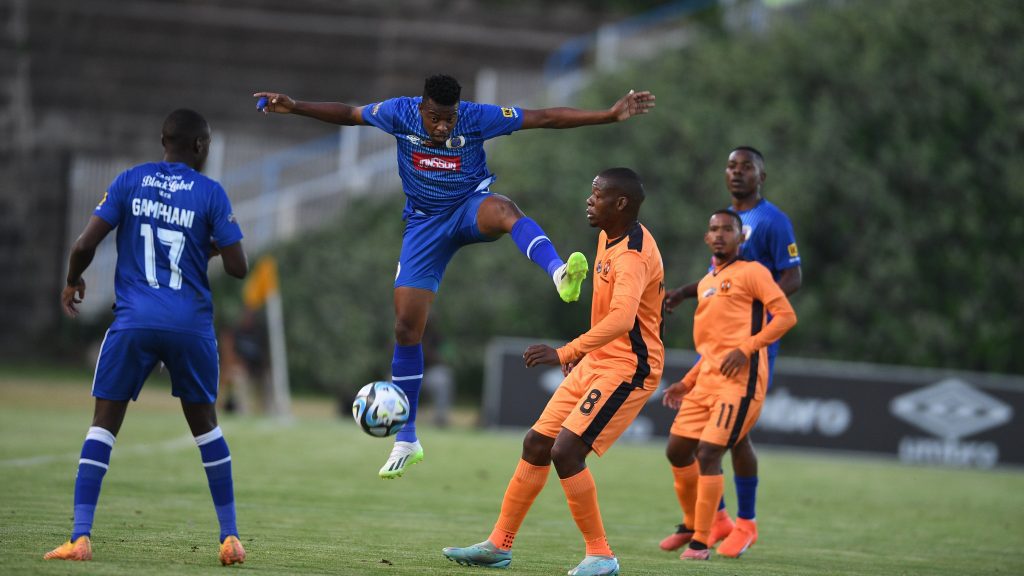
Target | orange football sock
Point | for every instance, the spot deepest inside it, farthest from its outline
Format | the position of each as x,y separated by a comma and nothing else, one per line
526,483
686,490
581,492
709,493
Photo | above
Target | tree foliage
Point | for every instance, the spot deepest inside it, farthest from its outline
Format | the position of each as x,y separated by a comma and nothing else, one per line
893,133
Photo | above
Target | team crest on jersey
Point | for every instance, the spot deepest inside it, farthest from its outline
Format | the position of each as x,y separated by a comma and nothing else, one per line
509,112
793,252
435,163
456,142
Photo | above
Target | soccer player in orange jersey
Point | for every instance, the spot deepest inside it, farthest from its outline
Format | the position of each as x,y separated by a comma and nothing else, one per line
720,398
611,371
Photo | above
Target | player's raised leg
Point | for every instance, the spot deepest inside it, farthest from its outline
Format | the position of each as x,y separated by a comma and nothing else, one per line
498,215
412,306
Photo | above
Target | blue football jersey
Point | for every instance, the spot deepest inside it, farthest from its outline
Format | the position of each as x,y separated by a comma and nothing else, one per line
434,178
770,241
166,215
769,238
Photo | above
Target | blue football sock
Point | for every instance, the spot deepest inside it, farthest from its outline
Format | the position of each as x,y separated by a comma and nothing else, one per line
721,503
532,242
746,496
217,463
407,374
92,466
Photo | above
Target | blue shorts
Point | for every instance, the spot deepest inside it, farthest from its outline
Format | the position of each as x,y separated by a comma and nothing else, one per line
128,356
429,242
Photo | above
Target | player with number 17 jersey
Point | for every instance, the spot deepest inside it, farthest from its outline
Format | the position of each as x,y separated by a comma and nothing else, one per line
166,215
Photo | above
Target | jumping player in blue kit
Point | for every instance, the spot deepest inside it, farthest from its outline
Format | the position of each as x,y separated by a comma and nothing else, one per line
769,239
444,175
170,221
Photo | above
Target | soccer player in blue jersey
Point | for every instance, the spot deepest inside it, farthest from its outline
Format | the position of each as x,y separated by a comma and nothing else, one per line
448,205
770,241
170,221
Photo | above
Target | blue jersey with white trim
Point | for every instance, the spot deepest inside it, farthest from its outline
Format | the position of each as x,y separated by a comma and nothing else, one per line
436,178
769,238
166,215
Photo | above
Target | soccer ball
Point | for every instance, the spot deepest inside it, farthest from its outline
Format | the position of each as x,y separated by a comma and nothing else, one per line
381,409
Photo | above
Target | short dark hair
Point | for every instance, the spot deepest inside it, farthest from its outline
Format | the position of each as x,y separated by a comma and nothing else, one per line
442,89
627,182
728,212
183,127
757,153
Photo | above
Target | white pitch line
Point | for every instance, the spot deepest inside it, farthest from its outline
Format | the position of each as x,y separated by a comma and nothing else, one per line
165,446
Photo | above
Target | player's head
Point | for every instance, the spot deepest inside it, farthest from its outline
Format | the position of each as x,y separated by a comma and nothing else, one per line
439,107
724,235
745,172
186,137
615,198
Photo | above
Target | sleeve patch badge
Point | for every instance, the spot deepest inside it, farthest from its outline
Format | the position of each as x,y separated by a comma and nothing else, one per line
793,253
376,107
508,112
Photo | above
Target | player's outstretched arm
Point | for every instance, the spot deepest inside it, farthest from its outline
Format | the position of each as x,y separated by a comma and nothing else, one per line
82,252
632,104
332,112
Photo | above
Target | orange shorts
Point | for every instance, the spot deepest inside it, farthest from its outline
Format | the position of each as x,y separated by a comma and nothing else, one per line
596,407
716,416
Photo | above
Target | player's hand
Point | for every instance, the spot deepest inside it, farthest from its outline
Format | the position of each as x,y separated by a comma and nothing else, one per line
674,298
734,362
541,354
280,103
633,104
71,295
566,368
673,397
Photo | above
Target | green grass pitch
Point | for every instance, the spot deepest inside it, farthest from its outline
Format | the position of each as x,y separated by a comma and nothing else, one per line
309,501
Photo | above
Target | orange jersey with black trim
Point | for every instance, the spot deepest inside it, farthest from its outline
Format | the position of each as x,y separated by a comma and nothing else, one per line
627,310
733,303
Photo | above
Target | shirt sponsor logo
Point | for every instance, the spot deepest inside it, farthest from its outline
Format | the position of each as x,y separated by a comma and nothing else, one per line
434,163
509,112
793,252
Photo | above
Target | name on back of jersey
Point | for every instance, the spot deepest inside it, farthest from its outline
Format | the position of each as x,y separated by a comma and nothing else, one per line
161,211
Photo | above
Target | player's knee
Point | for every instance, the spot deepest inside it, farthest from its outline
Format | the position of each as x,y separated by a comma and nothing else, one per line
568,458
407,333
710,458
678,456
498,215
537,448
